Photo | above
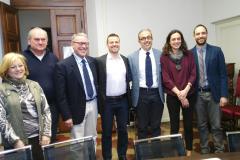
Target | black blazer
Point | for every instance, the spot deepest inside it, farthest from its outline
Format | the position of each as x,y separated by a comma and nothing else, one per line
102,78
70,94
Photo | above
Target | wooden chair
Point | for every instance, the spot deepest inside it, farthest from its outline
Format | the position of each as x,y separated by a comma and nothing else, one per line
159,147
231,112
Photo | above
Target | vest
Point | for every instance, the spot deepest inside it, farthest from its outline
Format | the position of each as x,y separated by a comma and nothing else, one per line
13,109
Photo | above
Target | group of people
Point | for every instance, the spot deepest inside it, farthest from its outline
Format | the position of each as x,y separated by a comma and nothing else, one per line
79,87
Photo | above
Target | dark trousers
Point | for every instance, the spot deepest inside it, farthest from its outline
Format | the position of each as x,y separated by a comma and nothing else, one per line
174,106
55,118
149,113
37,152
119,109
36,148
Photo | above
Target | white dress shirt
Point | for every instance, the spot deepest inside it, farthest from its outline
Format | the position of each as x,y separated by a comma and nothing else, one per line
116,76
142,75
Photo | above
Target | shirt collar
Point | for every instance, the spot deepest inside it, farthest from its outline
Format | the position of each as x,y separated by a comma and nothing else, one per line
203,48
110,56
79,59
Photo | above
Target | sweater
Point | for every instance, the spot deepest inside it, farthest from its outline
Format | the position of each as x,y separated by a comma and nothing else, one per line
42,72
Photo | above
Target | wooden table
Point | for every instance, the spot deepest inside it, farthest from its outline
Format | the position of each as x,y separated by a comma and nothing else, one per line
197,156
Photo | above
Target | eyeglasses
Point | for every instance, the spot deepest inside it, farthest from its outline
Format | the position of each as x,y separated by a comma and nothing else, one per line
81,43
145,38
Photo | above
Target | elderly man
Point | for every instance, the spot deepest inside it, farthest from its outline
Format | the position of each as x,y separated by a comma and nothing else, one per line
76,89
41,62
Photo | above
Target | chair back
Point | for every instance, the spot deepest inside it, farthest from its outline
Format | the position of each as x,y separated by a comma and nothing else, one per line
74,149
24,153
159,147
233,141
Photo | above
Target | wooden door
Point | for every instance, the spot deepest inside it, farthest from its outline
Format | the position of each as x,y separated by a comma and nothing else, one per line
10,28
64,23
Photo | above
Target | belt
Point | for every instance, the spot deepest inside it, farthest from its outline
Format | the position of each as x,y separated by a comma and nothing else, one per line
116,97
88,100
148,89
204,89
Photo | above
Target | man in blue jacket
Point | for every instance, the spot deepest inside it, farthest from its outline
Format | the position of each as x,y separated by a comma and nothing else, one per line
212,89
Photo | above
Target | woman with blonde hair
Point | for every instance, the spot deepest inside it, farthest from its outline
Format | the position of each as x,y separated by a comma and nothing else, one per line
25,118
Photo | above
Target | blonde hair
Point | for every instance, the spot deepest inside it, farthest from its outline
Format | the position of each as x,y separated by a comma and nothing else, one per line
8,60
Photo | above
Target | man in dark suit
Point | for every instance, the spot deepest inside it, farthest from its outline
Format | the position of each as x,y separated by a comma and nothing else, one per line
212,89
114,77
76,89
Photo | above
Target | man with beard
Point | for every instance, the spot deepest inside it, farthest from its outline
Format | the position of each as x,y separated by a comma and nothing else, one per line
114,93
147,91
212,89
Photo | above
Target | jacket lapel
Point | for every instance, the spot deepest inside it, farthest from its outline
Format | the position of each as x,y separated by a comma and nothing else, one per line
76,71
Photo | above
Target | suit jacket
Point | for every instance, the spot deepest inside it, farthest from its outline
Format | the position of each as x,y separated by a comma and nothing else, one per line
102,78
216,71
134,65
70,94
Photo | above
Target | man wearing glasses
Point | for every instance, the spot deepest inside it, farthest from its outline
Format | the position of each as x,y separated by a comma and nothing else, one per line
76,84
147,92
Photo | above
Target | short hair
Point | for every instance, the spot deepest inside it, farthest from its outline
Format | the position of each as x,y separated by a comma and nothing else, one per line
30,33
143,30
199,25
112,35
80,34
167,47
8,60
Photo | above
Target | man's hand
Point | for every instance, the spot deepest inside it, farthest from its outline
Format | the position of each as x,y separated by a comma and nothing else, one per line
45,140
19,144
68,123
223,101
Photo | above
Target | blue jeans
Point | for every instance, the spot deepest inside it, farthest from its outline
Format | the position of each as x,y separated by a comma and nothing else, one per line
208,112
119,109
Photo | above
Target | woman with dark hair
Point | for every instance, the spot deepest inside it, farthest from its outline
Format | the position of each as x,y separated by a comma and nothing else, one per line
179,75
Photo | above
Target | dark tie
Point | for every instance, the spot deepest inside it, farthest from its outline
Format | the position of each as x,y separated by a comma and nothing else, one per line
201,68
148,71
87,80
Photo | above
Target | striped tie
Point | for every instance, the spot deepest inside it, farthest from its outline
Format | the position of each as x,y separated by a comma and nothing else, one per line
201,68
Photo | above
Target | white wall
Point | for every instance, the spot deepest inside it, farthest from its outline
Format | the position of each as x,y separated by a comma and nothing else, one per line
218,10
128,17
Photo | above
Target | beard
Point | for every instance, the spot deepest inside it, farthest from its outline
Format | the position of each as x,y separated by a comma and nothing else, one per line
201,43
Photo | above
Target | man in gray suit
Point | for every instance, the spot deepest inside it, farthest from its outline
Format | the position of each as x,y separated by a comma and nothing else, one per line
147,92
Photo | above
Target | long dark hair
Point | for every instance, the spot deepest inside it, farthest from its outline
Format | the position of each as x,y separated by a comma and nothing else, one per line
167,47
